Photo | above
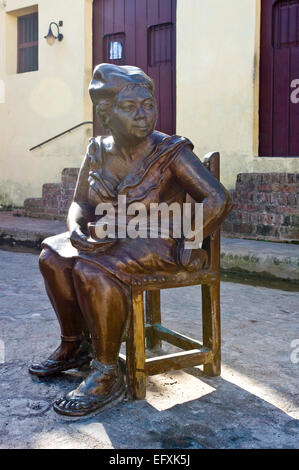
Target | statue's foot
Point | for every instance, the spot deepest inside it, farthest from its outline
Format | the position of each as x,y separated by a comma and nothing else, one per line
103,388
73,352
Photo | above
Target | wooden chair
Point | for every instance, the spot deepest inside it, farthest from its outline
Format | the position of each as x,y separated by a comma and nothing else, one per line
194,353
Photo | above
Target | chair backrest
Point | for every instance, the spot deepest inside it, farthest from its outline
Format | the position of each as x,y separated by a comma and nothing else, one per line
212,163
211,244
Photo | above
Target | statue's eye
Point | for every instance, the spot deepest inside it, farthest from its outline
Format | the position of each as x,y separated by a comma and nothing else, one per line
148,105
127,107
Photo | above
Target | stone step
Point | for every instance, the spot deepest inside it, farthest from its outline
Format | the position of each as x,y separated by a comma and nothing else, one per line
56,197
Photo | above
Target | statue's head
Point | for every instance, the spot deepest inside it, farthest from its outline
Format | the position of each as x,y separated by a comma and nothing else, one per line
124,100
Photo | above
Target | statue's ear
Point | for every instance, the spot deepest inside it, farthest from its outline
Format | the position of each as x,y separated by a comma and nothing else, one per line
105,120
103,116
102,110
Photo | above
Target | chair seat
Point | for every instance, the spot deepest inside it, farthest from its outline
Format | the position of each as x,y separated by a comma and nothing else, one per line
181,278
198,273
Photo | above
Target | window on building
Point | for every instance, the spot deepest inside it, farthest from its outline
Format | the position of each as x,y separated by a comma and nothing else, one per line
28,43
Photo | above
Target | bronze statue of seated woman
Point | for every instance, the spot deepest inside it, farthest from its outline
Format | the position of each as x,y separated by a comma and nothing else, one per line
87,280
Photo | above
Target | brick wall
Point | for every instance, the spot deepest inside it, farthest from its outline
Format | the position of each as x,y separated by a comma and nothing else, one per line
68,183
266,207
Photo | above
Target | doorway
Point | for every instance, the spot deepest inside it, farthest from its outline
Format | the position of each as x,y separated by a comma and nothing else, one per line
279,113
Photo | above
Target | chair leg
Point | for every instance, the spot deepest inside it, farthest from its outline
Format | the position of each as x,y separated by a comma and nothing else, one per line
135,349
153,315
211,326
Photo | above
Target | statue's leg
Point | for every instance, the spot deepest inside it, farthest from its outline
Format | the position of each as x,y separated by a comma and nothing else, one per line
105,303
57,274
75,348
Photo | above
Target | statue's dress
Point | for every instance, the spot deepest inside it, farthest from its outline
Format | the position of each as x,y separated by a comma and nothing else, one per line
166,175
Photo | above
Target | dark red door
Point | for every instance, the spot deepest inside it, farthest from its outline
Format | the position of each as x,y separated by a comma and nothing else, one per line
140,33
279,114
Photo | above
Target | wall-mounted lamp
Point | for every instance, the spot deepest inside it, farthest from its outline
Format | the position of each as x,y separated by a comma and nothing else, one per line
51,38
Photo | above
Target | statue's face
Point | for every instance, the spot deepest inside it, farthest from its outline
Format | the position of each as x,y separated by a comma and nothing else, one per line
133,115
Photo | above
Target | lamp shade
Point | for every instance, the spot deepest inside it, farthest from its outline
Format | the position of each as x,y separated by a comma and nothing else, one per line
50,38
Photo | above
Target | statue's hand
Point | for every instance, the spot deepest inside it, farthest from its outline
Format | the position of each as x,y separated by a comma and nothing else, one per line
93,150
192,259
80,241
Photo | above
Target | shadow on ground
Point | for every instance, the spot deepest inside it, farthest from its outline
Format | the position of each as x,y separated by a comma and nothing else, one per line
224,416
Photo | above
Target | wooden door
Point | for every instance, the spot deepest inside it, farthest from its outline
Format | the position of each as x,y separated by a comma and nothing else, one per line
279,116
140,33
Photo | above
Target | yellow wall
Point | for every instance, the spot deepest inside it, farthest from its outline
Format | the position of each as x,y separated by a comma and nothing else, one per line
38,105
217,91
218,84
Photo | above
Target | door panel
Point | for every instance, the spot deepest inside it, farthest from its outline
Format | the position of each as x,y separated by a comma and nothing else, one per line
140,33
279,117
281,102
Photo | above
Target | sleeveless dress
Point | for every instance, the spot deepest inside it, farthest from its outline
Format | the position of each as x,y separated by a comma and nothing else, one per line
136,260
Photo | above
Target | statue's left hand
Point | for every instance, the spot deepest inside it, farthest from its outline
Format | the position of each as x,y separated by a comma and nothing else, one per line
192,259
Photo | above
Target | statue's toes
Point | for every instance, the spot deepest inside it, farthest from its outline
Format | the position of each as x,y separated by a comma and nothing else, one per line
68,405
65,404
73,405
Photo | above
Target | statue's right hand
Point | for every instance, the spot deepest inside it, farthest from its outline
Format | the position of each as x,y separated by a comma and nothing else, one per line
93,150
80,241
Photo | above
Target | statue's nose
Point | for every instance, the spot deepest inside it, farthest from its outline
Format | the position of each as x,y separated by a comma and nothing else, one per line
140,114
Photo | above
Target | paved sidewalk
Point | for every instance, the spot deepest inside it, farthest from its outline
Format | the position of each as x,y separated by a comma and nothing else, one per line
254,404
265,259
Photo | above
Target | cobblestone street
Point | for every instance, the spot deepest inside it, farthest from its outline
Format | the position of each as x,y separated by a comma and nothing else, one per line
254,404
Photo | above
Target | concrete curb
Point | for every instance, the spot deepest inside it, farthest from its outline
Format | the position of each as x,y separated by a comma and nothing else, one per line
27,231
263,259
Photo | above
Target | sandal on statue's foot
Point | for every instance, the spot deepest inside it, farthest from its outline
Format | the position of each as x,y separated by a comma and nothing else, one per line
103,388
80,356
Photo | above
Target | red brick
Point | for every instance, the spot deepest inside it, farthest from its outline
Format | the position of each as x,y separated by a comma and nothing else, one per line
291,200
289,188
270,218
264,187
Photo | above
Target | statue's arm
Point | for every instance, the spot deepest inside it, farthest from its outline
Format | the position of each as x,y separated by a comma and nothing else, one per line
197,181
80,211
